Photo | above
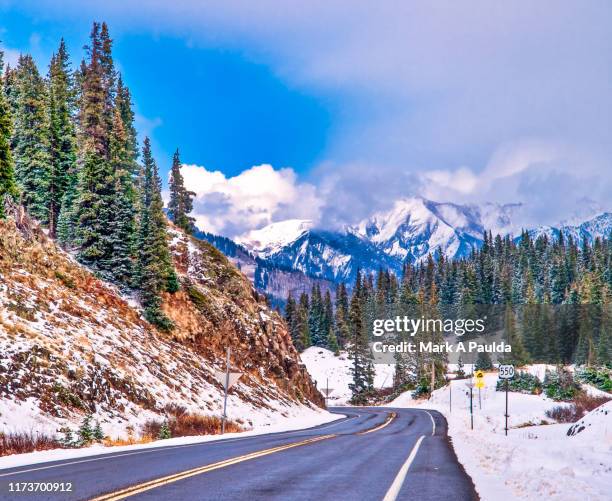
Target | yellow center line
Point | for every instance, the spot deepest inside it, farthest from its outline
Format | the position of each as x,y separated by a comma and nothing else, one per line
152,484
390,417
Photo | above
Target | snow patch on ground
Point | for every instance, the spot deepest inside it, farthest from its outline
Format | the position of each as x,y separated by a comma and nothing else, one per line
323,365
534,461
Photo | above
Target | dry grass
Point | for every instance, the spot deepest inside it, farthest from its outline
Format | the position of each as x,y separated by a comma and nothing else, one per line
114,442
22,442
184,424
582,405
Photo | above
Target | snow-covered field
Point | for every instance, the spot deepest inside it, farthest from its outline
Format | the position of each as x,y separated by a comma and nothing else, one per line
534,461
307,419
324,366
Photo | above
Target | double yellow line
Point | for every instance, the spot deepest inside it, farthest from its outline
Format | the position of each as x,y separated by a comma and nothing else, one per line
390,417
137,489
159,482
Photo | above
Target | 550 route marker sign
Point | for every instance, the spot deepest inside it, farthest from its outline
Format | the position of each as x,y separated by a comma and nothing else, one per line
506,372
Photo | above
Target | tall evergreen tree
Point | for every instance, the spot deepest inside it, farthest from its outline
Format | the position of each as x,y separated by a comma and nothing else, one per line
96,177
62,137
181,200
123,221
8,186
155,268
31,139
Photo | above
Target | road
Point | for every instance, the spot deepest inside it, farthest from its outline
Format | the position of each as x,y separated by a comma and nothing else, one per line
372,454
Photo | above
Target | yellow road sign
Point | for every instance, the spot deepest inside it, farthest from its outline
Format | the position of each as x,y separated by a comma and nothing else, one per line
478,375
479,383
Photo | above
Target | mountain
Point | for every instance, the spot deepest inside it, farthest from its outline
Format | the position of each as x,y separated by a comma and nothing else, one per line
409,231
275,236
598,226
416,227
72,344
276,281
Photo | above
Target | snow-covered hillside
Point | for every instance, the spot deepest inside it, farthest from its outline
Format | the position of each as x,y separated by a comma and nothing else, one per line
327,368
71,344
534,461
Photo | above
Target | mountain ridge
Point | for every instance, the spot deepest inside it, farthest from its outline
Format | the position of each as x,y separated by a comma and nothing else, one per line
409,231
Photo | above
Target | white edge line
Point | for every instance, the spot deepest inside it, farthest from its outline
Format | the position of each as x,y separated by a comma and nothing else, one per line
433,423
396,486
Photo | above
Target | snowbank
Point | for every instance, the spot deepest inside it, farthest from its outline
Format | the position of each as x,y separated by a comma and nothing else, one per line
534,461
308,419
324,366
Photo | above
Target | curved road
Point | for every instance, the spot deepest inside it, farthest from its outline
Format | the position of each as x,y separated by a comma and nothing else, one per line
372,454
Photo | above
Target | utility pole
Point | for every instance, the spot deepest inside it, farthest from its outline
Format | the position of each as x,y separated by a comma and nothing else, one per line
226,387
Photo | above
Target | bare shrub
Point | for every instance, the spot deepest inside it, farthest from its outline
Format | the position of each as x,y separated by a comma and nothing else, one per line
22,442
582,405
184,424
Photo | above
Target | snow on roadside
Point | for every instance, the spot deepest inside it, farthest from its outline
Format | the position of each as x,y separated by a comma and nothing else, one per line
323,365
532,462
307,419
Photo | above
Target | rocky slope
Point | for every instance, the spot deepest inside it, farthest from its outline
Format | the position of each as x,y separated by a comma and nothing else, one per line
71,344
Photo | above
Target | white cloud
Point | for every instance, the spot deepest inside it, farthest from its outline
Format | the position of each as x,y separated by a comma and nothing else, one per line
252,199
460,101
11,56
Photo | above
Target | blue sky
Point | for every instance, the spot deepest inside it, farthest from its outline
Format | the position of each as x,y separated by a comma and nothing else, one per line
331,110
220,108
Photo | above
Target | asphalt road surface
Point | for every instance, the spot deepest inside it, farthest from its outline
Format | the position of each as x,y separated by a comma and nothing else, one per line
373,454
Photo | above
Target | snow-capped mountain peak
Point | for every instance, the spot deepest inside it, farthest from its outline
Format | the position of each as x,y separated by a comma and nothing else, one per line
275,236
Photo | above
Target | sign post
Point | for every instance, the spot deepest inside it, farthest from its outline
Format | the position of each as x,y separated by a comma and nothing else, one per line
470,385
479,375
506,372
227,379
327,391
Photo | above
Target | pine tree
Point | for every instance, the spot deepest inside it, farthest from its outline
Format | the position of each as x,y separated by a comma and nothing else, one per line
123,103
291,312
86,432
8,186
155,268
328,323
483,362
341,316
359,351
31,139
62,175
302,330
181,200
98,434
518,356
123,208
96,180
